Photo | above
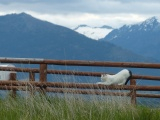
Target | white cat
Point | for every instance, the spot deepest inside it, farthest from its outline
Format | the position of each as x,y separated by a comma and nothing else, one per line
121,78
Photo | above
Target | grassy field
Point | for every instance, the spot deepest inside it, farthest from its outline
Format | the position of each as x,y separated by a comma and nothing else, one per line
73,107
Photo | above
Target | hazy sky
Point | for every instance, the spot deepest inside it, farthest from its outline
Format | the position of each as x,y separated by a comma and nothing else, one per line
71,13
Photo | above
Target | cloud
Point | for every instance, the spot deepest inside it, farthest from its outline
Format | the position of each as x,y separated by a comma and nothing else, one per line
92,12
72,20
85,6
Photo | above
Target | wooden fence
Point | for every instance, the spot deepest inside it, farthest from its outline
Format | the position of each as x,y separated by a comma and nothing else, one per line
77,88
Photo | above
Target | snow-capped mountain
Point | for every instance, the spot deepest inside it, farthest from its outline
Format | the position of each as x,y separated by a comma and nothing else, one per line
31,37
142,38
95,33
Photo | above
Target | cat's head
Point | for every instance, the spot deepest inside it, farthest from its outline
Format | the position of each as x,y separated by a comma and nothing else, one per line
104,77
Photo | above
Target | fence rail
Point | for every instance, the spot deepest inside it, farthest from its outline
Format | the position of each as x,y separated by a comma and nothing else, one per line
76,88
80,63
78,73
80,85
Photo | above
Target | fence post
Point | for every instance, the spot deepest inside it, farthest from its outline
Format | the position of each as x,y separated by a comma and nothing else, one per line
12,77
133,92
43,76
32,78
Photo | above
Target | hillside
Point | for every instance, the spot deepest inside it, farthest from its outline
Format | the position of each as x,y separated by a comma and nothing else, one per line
22,35
142,38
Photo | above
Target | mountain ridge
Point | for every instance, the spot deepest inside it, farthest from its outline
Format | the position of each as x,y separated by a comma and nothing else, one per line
25,36
141,38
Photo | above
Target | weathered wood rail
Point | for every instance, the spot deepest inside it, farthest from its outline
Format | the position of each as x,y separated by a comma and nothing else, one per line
77,88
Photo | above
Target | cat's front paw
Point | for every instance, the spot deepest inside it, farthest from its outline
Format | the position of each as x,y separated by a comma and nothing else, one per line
99,83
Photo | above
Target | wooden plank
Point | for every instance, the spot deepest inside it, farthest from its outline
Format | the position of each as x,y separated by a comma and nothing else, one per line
12,79
43,72
33,70
32,78
80,85
77,73
148,95
133,92
64,90
103,64
92,92
80,63
43,76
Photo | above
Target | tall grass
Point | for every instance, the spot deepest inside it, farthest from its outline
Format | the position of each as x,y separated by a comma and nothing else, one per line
73,107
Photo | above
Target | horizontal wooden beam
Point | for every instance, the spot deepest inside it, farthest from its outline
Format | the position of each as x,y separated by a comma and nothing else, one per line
77,91
80,63
21,60
77,73
102,63
79,85
63,90
148,95
92,92
33,70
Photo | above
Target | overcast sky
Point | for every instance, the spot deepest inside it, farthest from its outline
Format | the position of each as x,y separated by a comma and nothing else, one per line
71,13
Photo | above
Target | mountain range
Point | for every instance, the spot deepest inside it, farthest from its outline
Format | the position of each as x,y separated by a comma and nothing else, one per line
22,35
142,38
95,33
